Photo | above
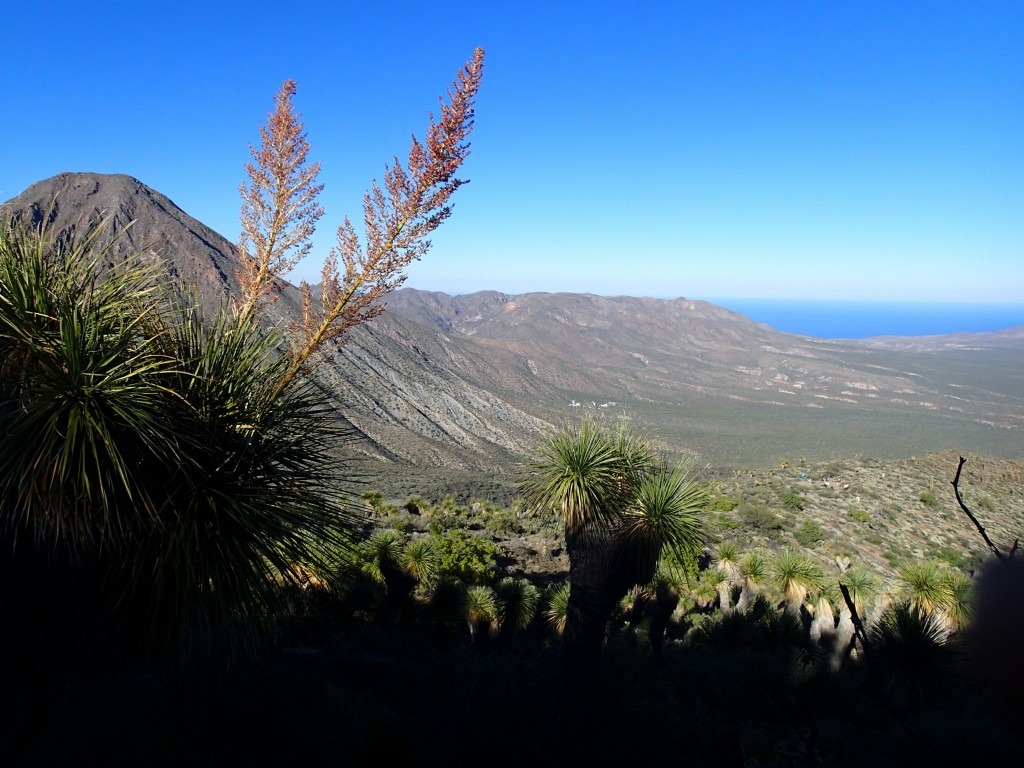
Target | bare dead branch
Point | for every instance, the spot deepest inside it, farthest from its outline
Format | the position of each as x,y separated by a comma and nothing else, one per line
981,529
859,633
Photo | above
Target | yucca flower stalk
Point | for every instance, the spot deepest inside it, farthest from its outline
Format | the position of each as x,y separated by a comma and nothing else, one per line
280,212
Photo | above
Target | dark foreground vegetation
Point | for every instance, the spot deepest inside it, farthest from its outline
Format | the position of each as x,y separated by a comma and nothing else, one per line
186,577
429,643
342,687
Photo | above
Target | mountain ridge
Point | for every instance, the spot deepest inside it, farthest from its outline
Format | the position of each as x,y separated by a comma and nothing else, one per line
471,382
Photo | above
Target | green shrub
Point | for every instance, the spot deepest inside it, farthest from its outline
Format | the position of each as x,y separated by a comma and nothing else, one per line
929,499
472,559
809,534
859,515
724,503
791,500
949,556
503,521
398,522
757,516
724,522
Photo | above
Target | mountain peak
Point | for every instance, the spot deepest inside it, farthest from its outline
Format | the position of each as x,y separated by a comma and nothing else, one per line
135,220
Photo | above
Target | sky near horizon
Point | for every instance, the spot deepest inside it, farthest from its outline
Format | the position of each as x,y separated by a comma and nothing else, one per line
826,150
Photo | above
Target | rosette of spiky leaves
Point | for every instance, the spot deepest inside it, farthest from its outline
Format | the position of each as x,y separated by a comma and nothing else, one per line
420,560
384,551
754,573
665,588
705,590
911,653
795,574
727,565
557,612
517,601
861,587
667,511
588,474
481,609
958,605
922,585
164,451
447,600
256,489
85,417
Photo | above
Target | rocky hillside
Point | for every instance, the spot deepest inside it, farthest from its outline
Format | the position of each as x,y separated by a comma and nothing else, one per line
469,383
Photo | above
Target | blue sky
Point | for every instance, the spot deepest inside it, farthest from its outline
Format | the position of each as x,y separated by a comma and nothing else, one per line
700,149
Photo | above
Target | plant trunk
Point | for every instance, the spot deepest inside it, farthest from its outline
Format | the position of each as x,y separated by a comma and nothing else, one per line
399,585
592,597
725,597
747,595
844,636
664,604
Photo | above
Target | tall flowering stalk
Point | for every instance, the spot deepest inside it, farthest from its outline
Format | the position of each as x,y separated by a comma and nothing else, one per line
280,211
279,206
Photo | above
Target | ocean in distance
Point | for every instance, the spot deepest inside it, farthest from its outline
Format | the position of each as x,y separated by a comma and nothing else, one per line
864,319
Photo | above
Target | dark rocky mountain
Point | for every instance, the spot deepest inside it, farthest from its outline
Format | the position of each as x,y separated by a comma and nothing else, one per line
471,382
137,221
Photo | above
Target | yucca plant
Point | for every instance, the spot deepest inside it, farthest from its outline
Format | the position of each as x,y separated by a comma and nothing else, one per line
557,612
664,589
727,565
754,573
255,490
420,560
705,591
383,552
911,654
481,610
619,509
517,601
938,589
665,513
861,588
958,606
156,450
183,458
447,601
823,625
86,412
795,575
922,585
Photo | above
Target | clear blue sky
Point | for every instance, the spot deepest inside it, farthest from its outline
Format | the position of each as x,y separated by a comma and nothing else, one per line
859,150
